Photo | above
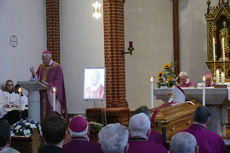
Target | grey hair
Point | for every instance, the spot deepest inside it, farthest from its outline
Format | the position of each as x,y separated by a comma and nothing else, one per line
113,138
183,142
139,125
9,150
183,74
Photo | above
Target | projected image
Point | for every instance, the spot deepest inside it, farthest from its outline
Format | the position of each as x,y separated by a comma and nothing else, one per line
94,80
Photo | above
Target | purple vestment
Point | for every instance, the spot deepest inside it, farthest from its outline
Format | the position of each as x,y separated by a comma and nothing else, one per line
53,75
189,84
81,145
156,137
139,145
208,141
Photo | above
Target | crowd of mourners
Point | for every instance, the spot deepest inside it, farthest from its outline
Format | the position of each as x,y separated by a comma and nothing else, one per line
138,137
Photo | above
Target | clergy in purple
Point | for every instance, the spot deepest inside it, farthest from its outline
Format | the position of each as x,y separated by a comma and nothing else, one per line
208,141
51,73
154,136
114,138
183,142
139,127
184,80
80,143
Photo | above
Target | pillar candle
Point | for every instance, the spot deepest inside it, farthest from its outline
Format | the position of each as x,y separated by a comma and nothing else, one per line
54,98
223,49
152,92
214,50
20,98
222,77
217,76
203,95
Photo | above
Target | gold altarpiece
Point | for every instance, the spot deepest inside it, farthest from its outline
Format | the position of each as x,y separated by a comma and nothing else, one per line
218,32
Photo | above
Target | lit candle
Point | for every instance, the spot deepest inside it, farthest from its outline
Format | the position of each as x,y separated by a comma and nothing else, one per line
203,101
222,77
54,98
214,50
223,49
20,98
152,91
217,76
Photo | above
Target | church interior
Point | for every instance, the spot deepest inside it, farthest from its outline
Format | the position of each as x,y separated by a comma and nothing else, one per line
132,40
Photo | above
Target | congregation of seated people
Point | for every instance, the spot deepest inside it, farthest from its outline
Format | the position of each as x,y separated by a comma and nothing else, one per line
10,103
73,137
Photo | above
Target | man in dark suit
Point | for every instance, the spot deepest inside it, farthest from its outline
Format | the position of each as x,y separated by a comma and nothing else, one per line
54,131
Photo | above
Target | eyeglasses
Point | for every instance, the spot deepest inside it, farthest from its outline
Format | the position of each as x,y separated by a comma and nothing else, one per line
9,85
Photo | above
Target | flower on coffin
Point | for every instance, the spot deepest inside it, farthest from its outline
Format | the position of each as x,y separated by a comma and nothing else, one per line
168,77
94,126
25,127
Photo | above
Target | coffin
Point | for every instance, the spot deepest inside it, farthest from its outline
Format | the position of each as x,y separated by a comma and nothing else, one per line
175,118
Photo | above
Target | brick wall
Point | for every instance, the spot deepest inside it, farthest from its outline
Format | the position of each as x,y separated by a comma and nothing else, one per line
113,45
53,28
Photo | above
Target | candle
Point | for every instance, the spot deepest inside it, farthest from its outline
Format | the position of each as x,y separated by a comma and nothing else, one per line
54,98
20,98
214,50
223,49
217,76
152,91
130,44
222,77
203,100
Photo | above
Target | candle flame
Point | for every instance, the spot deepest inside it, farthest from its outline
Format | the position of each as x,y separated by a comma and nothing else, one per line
204,78
151,79
20,90
54,89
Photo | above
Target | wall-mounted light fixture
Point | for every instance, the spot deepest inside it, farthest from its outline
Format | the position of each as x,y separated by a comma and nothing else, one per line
130,49
96,10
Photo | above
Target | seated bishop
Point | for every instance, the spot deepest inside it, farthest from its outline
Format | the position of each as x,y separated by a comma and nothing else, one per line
79,130
184,80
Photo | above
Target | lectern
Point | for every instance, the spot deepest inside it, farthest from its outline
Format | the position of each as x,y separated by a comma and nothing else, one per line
33,88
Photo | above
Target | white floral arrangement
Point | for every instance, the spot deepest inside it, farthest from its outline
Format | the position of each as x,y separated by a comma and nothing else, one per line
25,127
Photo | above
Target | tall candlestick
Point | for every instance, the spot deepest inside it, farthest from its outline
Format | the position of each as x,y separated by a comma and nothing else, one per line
214,50
54,98
20,98
223,50
222,77
152,92
217,76
203,100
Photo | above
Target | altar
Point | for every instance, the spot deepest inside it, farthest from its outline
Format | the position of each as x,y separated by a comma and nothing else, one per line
216,100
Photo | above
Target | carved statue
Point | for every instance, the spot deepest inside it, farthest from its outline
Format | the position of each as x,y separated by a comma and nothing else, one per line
224,41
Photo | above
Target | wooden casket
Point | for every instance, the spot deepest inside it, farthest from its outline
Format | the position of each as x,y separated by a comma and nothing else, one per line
175,118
